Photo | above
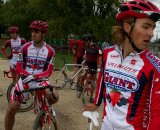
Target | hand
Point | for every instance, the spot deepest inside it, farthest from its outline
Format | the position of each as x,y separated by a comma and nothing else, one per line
28,78
90,107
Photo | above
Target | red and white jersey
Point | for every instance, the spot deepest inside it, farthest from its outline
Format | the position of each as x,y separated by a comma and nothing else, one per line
15,46
36,61
130,88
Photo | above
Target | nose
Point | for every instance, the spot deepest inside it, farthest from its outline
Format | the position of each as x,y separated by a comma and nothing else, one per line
150,32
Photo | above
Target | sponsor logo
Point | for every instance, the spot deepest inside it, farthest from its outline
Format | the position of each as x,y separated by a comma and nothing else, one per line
133,62
114,56
154,60
37,61
120,81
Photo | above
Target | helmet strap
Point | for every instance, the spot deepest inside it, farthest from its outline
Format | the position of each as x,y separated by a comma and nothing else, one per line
130,39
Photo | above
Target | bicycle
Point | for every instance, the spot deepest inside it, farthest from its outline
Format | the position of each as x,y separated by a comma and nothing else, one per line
64,77
88,88
92,119
25,106
46,115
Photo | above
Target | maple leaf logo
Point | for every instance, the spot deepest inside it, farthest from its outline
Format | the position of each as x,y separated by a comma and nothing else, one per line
115,97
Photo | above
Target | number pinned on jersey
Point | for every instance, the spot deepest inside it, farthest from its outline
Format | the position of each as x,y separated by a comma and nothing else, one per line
19,57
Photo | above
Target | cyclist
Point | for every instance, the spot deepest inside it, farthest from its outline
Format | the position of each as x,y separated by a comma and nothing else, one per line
129,81
15,44
78,49
35,62
91,63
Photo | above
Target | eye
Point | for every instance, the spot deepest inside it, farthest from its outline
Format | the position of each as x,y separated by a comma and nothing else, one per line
145,27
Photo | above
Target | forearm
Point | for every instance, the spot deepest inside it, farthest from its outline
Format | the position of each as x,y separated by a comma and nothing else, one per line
46,73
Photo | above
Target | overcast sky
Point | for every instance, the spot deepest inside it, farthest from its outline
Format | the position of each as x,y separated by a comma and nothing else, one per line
157,29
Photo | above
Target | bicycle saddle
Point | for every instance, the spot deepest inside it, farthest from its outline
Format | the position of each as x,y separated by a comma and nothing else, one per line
93,116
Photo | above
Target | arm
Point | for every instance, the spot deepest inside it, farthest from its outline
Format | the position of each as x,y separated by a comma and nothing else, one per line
4,52
98,96
154,123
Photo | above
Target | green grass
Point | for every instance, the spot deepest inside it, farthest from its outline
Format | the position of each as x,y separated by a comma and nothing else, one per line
59,62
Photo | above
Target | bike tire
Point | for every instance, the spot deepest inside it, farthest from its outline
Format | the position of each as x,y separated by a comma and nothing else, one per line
86,97
24,107
38,122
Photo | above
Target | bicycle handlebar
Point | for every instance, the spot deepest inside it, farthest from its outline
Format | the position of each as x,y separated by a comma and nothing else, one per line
6,73
32,89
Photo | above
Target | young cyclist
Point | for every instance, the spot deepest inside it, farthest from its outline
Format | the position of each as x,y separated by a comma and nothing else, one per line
15,44
129,81
35,62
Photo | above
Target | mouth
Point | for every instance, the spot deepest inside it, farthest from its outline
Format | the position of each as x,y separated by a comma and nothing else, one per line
147,41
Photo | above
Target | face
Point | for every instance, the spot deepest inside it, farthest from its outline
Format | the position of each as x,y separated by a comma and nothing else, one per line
37,36
13,35
142,32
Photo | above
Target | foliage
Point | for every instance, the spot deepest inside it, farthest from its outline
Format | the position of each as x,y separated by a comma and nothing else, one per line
63,16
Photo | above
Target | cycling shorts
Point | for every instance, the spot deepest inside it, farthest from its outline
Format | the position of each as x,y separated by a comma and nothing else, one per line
79,60
20,86
92,67
13,62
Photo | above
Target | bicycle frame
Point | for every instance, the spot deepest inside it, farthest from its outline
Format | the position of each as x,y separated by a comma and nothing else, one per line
65,66
40,103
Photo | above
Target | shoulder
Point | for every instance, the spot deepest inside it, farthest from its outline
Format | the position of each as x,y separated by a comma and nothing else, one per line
23,40
108,49
25,46
153,59
50,49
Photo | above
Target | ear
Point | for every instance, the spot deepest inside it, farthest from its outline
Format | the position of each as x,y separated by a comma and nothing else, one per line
126,27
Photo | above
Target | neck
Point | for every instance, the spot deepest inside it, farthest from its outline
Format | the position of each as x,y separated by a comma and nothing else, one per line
127,48
39,44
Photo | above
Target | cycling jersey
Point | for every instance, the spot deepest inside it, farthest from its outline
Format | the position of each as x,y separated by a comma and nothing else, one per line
92,53
15,46
34,61
126,84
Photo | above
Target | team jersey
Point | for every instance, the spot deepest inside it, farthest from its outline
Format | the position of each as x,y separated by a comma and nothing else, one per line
35,61
130,88
92,53
15,46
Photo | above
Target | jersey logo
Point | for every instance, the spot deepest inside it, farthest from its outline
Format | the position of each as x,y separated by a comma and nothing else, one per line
120,81
154,60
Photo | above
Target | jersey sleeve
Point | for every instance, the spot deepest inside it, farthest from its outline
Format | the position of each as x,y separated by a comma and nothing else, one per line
99,90
154,120
49,69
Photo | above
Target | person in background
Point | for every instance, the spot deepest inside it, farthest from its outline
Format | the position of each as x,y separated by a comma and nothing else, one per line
91,63
129,81
14,44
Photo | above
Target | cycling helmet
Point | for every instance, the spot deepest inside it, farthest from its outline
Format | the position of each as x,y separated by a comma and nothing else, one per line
138,9
86,37
13,29
39,25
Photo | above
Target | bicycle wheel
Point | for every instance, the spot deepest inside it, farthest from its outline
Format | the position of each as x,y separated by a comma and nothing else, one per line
87,95
41,122
24,107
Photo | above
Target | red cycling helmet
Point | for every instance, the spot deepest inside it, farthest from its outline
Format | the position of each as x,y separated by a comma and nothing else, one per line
13,29
138,9
39,25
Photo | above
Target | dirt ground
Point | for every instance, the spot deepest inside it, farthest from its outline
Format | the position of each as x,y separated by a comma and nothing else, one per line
69,108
